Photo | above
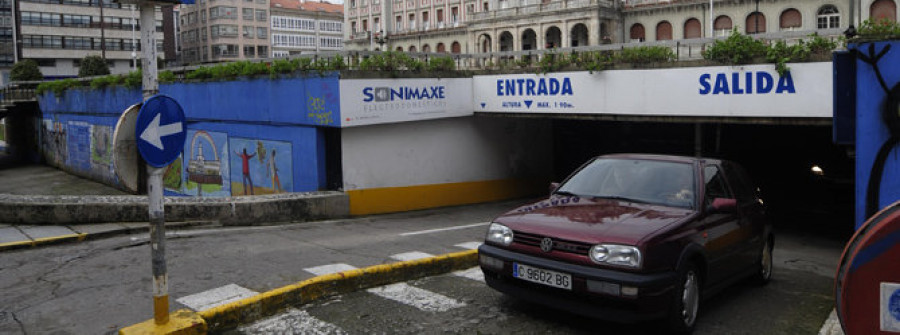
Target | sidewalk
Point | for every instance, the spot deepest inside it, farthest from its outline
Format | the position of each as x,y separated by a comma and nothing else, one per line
25,236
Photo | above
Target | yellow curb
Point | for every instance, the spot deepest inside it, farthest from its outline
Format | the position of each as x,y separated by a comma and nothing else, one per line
41,241
231,315
182,322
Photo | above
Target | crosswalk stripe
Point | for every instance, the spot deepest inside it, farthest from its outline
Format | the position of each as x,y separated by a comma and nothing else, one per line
419,298
401,292
215,297
329,269
411,256
291,322
472,273
469,245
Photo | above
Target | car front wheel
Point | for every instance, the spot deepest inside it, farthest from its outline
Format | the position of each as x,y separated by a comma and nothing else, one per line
686,306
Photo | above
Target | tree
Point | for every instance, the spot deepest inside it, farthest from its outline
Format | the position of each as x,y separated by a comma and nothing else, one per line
93,66
25,70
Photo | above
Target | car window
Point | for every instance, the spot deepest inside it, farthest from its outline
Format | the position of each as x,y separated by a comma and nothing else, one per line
740,183
715,184
638,180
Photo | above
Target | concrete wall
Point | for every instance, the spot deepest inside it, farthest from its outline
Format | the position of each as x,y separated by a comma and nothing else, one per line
277,122
413,165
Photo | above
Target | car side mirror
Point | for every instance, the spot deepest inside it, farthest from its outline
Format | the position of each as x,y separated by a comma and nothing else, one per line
723,205
553,187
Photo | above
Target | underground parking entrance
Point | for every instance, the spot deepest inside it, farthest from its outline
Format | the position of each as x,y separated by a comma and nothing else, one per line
805,180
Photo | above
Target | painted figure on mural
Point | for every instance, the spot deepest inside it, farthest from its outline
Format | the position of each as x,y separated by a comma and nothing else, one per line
245,169
273,173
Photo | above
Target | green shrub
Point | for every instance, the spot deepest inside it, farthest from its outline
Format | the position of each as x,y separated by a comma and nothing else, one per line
445,63
134,79
645,55
736,49
106,81
552,61
26,70
166,77
881,29
57,86
819,45
93,66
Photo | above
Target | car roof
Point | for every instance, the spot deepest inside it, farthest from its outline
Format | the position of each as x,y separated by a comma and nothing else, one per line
660,157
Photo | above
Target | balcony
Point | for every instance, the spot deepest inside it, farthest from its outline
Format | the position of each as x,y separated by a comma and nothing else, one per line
534,6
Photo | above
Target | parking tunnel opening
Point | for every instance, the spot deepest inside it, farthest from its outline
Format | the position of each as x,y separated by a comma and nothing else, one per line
805,180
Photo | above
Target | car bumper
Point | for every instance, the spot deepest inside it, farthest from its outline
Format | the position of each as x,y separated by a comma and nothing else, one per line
651,302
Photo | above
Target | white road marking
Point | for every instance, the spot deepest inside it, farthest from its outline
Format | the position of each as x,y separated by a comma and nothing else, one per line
329,269
401,292
469,245
472,273
410,256
832,325
413,296
291,322
216,297
429,231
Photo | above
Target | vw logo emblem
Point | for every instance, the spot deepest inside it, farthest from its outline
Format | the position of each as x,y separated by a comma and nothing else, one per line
547,244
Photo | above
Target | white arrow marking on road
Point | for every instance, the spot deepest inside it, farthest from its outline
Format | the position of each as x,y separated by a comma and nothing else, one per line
154,133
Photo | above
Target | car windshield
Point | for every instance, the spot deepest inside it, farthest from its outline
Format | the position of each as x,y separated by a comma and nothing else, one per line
644,181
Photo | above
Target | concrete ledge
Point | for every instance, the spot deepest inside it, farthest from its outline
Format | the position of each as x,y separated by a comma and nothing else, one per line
247,210
232,315
42,241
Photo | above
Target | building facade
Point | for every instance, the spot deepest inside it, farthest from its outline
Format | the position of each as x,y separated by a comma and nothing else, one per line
304,27
477,26
224,30
59,33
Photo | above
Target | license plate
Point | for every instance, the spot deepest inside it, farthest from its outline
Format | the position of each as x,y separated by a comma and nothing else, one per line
541,276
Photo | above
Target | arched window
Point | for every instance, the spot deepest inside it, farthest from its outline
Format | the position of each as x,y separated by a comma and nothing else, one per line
883,10
637,32
693,29
400,49
426,48
828,17
756,23
791,19
441,48
455,47
722,25
412,48
664,31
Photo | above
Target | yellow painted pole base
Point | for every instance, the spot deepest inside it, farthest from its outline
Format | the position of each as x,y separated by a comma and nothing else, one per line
182,322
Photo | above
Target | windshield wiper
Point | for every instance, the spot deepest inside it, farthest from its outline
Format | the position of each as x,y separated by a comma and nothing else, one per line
566,193
620,198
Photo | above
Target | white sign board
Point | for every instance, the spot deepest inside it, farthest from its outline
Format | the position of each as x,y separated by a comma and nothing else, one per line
368,101
722,91
890,307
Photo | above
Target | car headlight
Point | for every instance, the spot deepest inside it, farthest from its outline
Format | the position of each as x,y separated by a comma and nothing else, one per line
499,233
614,254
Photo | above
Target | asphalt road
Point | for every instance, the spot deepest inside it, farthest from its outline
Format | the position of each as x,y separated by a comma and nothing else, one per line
97,287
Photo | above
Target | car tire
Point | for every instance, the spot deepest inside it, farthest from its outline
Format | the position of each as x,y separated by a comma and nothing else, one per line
765,265
686,303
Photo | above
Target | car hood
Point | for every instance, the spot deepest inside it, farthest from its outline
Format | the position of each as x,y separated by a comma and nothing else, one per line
593,221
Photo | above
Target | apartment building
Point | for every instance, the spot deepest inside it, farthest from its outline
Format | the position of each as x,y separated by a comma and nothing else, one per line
475,26
303,27
59,33
224,30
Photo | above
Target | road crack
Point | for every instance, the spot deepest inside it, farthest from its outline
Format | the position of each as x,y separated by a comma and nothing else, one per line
19,322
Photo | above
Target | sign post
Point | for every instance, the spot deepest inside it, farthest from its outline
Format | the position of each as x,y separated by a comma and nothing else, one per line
160,131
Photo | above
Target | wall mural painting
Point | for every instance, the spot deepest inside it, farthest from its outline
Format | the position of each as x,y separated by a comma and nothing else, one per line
79,145
172,177
101,150
260,167
54,142
206,171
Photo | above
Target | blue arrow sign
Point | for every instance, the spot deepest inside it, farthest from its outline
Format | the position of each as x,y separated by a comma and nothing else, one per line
160,130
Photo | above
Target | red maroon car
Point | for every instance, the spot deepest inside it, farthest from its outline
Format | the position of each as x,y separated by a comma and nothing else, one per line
633,237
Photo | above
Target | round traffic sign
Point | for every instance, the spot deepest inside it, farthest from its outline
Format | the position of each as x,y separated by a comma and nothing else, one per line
160,130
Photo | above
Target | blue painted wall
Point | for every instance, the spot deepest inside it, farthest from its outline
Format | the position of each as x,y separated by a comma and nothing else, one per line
873,134
282,113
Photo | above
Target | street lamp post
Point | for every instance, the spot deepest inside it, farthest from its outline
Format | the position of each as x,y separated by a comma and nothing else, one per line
381,39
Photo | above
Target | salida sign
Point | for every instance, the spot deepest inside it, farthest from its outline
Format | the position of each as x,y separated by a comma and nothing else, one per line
744,83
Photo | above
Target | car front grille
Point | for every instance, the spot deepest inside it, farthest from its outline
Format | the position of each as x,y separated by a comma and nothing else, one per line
559,245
